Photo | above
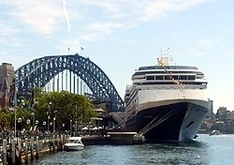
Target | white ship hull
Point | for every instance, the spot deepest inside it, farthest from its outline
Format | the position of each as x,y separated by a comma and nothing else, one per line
178,114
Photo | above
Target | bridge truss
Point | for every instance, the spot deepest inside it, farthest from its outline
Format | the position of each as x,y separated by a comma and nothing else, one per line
41,71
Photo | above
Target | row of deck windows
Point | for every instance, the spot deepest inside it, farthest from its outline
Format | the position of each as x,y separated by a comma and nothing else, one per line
168,77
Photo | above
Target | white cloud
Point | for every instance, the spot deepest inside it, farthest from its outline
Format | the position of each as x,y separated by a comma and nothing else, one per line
91,19
39,15
114,15
158,9
3,53
7,28
141,10
10,41
209,43
128,41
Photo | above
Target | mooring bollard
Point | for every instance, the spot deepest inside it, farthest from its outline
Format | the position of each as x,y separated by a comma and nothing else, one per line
61,143
37,146
32,147
19,148
58,143
53,143
9,155
4,152
13,151
26,151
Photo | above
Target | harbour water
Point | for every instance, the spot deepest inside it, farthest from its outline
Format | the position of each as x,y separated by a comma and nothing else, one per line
206,150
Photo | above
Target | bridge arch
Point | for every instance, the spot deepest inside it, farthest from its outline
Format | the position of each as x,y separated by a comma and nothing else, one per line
39,72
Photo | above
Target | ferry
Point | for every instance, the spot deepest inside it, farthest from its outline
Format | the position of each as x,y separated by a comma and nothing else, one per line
166,103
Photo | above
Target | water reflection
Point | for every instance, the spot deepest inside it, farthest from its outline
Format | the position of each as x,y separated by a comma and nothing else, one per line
205,151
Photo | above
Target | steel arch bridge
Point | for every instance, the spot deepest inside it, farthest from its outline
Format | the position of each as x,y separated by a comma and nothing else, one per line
39,72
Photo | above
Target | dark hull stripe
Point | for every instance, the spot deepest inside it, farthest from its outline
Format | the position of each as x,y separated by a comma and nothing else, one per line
168,130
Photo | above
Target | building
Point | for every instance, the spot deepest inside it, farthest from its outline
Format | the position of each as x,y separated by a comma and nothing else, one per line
221,113
7,75
210,113
227,118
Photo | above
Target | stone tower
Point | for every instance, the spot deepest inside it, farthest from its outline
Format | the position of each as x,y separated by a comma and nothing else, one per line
7,74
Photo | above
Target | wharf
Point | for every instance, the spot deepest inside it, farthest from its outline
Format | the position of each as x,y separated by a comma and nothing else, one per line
26,150
126,138
111,138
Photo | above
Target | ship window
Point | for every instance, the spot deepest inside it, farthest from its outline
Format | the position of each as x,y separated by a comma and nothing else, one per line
191,77
150,77
183,77
167,78
159,77
175,77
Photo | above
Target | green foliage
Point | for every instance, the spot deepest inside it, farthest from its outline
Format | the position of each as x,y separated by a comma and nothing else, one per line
63,105
5,118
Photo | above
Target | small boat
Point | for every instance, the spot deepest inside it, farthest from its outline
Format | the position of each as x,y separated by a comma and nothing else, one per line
215,132
73,144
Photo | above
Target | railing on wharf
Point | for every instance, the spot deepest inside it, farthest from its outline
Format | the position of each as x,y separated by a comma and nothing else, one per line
22,150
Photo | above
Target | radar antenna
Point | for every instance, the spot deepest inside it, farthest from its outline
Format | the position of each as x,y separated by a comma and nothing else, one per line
164,61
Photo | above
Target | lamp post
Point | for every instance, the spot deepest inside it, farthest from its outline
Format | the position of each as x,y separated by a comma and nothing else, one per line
36,125
54,118
48,116
28,123
89,127
33,119
19,120
44,125
51,124
48,121
70,127
36,122
63,125
51,113
76,127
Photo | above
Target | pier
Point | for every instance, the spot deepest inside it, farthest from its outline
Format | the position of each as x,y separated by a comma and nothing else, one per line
26,150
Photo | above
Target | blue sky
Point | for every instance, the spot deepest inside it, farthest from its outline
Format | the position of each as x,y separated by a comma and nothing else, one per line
121,35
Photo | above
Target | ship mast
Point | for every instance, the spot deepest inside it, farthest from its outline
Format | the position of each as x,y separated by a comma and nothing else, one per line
164,61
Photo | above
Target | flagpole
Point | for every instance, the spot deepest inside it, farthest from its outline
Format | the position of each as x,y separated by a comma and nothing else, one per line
15,105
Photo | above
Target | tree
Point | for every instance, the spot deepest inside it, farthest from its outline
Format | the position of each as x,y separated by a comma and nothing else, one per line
5,118
64,106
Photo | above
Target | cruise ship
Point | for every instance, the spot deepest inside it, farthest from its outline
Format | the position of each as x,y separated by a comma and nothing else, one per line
166,103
